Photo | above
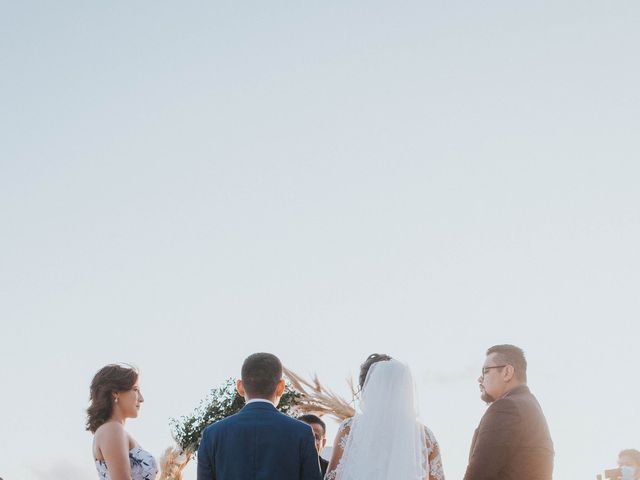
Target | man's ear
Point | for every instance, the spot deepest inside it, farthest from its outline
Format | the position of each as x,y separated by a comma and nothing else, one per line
324,442
240,388
509,372
280,388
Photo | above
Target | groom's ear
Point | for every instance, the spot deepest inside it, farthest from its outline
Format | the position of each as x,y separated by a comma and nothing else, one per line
240,388
280,388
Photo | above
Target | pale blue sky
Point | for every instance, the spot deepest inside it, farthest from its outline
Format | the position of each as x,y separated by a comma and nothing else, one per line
183,185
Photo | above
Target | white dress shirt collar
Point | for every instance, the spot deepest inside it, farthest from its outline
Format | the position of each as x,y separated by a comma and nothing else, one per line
253,400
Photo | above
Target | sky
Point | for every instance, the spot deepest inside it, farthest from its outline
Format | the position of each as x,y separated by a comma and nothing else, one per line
184,185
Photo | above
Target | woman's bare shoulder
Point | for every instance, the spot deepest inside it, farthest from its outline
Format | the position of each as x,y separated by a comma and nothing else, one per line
109,429
110,432
111,435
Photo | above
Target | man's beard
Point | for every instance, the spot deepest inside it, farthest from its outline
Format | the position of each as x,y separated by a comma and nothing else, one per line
486,398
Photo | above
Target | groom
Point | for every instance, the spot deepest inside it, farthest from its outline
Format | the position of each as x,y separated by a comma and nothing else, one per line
259,442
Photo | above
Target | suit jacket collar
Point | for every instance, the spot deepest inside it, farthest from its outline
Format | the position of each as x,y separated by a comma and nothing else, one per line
324,464
514,391
517,390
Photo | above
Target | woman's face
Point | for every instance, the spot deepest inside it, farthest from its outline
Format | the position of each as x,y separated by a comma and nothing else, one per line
129,401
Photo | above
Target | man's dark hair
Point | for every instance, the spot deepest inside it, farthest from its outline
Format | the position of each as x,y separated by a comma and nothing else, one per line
260,374
311,418
511,355
371,359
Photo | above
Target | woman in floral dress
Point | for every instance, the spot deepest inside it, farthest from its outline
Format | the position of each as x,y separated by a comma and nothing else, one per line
116,396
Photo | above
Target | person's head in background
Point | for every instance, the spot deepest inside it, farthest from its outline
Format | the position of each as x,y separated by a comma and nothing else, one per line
319,429
629,460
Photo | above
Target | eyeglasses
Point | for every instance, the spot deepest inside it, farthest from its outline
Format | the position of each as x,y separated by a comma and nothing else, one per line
485,370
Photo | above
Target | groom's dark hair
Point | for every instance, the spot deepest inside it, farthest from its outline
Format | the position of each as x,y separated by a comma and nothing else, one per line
260,374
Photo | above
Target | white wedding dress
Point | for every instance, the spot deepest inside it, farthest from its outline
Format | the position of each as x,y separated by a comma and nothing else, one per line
385,441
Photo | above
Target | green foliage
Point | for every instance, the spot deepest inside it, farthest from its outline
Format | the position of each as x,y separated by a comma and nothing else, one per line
222,402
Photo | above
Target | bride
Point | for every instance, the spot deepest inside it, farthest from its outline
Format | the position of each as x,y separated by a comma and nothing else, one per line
385,441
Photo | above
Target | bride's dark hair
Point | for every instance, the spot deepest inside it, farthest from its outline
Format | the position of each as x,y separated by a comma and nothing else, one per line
109,379
371,359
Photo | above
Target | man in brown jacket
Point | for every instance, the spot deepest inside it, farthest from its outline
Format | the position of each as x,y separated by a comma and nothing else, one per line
512,441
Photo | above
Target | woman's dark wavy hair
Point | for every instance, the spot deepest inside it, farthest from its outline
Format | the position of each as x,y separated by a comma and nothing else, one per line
371,359
109,379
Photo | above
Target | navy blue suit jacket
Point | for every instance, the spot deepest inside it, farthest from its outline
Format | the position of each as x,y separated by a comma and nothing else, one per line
258,443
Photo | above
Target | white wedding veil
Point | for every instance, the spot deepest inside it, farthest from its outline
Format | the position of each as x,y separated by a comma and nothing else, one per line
386,441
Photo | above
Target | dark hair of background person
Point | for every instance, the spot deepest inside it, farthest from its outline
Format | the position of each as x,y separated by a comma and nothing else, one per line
260,374
371,359
110,379
511,355
311,418
632,453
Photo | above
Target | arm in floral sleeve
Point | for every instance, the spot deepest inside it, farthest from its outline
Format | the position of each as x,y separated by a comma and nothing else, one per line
436,471
338,449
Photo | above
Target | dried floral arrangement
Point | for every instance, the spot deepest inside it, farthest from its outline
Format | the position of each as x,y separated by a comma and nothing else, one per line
316,398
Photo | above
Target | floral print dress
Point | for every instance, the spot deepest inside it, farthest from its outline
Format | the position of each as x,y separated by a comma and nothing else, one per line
143,466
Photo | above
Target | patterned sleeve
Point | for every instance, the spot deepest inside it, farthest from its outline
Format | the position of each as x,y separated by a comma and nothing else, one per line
436,472
343,433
